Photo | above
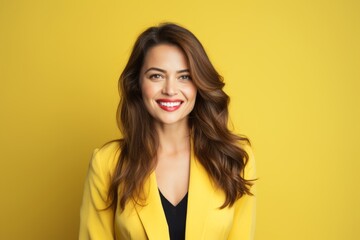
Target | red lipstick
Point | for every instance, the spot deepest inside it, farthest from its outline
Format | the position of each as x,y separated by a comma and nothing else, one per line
169,105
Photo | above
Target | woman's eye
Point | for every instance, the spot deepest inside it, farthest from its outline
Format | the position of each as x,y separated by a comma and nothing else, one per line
155,76
185,77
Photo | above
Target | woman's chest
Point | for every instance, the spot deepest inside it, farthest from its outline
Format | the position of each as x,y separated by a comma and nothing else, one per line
140,222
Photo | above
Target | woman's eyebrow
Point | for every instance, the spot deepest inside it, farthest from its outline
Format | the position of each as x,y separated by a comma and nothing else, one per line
164,71
156,69
182,71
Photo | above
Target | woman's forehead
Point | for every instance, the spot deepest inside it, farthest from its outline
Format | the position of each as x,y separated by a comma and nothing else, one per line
165,56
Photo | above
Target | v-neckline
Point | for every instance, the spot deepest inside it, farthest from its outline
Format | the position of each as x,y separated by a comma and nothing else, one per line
200,185
169,203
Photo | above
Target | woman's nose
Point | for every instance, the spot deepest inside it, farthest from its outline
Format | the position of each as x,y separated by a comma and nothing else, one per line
170,87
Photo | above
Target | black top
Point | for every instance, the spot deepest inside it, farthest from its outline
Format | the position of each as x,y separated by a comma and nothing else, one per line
175,217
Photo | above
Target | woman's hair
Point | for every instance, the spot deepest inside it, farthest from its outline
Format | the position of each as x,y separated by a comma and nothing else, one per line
216,148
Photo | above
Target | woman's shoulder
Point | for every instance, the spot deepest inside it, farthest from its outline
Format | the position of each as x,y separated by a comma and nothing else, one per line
110,148
105,157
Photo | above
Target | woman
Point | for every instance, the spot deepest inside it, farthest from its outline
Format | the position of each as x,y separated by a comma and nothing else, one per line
178,172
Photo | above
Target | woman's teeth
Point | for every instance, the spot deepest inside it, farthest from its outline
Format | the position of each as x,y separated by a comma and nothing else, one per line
170,104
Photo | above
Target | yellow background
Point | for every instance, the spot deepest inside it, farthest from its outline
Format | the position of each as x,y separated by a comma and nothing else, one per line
292,69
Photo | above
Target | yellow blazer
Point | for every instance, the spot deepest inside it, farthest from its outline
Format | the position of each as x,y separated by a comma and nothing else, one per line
204,219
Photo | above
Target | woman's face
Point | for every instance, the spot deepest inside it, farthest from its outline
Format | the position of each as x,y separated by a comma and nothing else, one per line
167,89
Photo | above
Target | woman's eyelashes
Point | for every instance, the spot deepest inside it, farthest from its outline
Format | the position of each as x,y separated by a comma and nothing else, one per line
156,76
185,77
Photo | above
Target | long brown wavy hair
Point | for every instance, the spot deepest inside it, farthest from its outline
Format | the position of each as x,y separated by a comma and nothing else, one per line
215,146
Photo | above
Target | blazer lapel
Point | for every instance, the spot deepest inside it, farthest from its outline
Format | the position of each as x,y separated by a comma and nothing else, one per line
152,214
200,194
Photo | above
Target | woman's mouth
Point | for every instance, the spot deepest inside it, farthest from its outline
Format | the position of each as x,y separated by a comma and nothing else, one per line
168,105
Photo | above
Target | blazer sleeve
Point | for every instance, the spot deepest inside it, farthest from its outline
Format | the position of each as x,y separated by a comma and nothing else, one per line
243,227
96,222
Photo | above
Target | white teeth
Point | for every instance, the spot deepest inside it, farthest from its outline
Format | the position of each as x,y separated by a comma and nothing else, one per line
170,104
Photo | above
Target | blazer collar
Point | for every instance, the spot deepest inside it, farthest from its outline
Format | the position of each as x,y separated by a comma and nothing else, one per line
152,215
200,192
199,195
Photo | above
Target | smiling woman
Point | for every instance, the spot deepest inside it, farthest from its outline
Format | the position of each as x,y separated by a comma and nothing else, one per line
178,172
167,90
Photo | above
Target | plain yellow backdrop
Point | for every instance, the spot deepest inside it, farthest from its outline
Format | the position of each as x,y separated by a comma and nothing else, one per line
292,69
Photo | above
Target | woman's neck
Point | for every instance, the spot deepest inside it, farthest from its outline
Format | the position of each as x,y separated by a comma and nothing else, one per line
173,138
